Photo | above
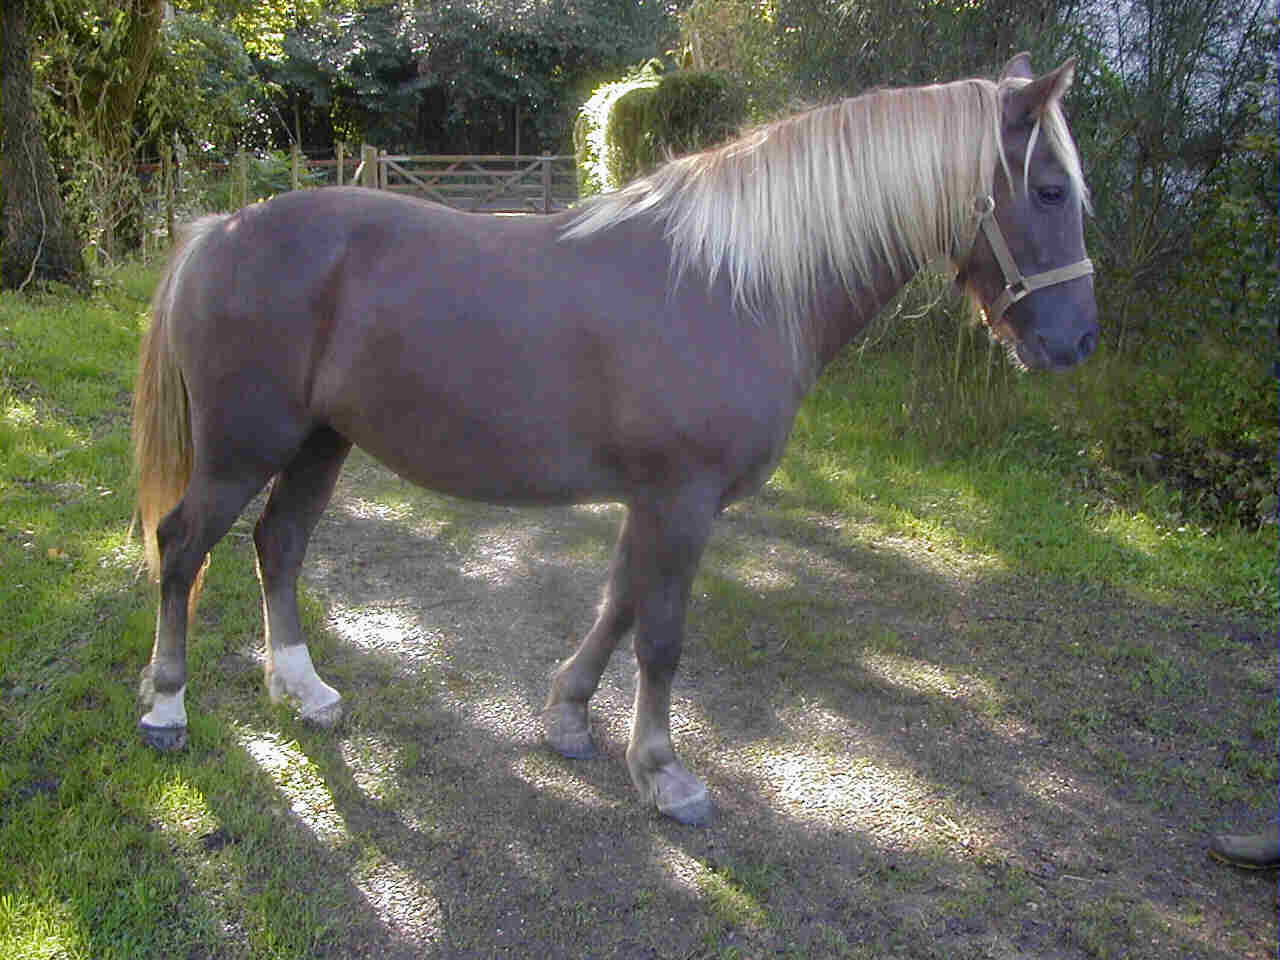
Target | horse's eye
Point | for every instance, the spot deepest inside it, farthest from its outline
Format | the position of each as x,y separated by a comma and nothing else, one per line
1051,196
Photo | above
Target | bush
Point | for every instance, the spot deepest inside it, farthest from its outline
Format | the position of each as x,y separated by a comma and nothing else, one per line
589,129
629,127
1201,420
693,110
1198,417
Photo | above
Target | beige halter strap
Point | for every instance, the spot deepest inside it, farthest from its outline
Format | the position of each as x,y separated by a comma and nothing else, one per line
1016,286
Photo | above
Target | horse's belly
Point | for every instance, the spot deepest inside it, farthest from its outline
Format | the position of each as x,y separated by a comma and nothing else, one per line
479,462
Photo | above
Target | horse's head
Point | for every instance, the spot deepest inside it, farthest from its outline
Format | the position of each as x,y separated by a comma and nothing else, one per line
1027,265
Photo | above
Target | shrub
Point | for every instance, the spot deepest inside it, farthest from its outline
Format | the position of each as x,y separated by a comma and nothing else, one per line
1201,420
589,128
631,126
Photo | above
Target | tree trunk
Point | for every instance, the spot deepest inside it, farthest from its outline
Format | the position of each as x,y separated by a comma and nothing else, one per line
38,241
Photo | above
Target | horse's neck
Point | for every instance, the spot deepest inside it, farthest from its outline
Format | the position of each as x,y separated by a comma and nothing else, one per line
840,315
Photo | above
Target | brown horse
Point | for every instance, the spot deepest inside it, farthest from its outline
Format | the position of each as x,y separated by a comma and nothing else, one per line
650,348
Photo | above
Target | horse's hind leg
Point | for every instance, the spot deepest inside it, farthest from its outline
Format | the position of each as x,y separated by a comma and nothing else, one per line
298,497
564,718
186,535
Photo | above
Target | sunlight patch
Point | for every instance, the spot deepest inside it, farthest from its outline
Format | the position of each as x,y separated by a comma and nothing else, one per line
386,631
926,677
373,762
507,718
680,867
299,782
598,509
21,414
541,773
363,509
31,927
499,560
179,807
881,801
407,909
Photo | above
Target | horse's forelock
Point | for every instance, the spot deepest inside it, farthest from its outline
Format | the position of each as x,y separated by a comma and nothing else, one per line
1051,123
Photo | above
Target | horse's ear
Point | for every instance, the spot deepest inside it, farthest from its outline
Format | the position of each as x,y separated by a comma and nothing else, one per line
1027,102
1019,66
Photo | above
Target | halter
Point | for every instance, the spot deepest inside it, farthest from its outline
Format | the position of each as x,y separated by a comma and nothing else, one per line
1016,286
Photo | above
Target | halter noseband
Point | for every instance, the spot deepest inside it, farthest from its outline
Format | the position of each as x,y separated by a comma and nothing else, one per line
1016,286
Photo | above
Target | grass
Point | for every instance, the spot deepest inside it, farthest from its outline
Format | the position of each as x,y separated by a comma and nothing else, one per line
265,839
1031,502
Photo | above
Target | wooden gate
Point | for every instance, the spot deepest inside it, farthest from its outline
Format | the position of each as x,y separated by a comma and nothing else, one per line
488,184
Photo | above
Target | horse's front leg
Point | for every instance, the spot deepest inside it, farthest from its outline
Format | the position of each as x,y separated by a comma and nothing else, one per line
668,542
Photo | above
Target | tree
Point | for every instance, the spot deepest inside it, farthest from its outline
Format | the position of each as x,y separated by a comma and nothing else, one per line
1171,103
459,77
39,241
97,55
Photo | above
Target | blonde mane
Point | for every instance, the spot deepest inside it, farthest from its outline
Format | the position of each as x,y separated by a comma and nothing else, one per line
889,177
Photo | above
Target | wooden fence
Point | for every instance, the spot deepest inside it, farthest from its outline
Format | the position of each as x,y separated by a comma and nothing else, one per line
488,184
484,184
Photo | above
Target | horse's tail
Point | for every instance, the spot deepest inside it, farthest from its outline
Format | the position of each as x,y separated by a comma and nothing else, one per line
162,444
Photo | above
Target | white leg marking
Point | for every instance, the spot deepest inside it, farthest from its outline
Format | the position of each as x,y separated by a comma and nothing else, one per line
167,710
290,673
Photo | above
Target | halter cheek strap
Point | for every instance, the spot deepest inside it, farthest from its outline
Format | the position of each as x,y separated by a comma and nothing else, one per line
1016,286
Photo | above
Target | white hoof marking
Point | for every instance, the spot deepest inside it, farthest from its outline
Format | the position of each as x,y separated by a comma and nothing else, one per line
290,673
167,709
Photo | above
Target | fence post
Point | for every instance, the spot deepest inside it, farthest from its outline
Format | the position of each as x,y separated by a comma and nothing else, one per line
340,158
369,166
166,166
546,181
241,181
295,153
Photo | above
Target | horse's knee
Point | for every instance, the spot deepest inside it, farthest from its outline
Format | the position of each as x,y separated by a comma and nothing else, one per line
658,651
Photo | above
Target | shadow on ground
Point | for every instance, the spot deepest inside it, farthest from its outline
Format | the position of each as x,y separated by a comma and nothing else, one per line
909,758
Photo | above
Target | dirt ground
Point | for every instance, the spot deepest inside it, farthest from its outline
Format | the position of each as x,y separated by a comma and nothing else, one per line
911,755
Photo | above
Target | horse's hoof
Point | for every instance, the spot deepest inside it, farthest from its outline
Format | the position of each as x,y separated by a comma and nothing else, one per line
164,739
326,717
676,793
564,730
692,811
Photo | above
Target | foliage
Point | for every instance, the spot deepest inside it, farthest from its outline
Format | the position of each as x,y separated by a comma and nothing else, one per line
1195,418
1163,113
632,125
204,92
216,186
737,38
458,77
95,60
963,392
595,162
1201,420
39,241
833,48
693,110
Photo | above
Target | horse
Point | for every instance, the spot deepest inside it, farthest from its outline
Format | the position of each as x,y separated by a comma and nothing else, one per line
650,347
